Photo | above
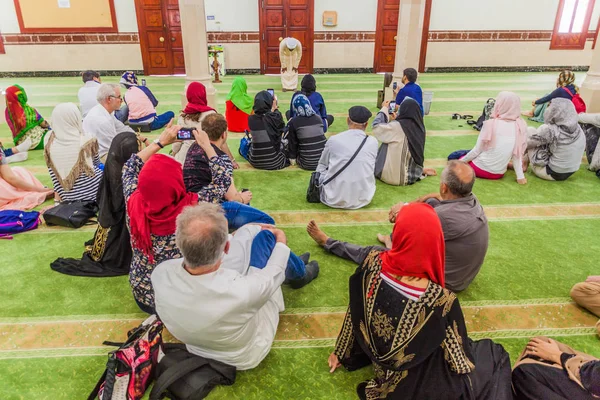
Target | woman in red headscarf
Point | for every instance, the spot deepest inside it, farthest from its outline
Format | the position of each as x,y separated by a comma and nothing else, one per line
192,116
412,330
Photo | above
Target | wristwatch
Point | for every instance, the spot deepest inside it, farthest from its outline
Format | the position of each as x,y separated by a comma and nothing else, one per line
156,141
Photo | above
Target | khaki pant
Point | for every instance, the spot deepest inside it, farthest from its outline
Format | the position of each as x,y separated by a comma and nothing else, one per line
587,295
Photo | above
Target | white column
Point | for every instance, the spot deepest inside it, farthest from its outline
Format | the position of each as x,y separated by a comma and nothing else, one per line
410,34
195,48
590,89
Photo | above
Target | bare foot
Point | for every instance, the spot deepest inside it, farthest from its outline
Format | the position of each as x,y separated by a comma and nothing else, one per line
527,113
429,171
246,196
316,233
385,239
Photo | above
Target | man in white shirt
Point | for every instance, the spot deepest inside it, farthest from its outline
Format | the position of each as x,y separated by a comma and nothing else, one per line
354,187
88,93
224,297
100,120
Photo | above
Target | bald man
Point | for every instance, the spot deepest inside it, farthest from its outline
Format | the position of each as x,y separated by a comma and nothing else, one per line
463,221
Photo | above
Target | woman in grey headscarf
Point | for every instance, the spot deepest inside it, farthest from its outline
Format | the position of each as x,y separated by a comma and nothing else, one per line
555,149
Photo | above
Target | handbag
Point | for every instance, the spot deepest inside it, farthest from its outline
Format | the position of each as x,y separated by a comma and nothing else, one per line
71,214
181,375
130,368
313,193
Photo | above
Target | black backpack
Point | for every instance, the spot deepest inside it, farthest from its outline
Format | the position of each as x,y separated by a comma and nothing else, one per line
486,114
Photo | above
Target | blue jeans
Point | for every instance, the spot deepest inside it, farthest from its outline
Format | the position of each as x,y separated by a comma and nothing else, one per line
239,214
457,155
8,152
122,114
162,120
262,247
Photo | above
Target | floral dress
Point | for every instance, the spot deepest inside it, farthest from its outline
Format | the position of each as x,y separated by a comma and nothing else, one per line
163,247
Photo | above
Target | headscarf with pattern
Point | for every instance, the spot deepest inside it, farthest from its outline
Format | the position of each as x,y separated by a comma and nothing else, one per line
302,107
566,78
20,116
129,79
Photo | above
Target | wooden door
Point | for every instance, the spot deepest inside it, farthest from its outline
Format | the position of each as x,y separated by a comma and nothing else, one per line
285,18
385,36
159,27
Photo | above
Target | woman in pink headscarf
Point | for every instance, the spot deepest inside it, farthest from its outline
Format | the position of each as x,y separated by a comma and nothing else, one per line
503,138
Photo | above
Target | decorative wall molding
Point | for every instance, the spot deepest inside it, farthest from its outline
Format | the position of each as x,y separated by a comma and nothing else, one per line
495,36
74,38
254,37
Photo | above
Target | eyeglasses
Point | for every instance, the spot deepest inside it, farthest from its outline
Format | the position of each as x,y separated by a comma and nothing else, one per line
117,97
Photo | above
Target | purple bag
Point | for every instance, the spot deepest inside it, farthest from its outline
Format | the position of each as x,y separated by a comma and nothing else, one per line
16,221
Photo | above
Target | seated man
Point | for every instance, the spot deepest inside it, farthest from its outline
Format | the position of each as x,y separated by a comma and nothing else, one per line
350,182
142,104
464,224
224,297
196,170
551,370
100,121
411,88
87,95
587,295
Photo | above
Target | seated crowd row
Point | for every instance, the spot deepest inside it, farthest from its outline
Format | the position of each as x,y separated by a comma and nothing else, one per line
185,235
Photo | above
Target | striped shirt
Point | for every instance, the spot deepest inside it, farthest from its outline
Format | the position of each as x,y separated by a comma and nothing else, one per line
410,292
85,188
265,152
306,141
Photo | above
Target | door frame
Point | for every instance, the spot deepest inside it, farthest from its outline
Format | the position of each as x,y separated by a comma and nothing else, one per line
424,37
310,35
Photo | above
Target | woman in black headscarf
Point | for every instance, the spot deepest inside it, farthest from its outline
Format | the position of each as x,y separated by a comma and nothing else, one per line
266,130
109,252
309,89
401,156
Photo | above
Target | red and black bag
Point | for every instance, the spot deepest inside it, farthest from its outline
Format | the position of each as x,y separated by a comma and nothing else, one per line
130,368
578,102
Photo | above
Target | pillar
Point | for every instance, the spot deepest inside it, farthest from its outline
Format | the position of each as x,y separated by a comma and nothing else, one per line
590,89
409,36
195,48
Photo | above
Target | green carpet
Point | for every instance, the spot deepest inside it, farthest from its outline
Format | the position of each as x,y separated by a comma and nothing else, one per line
542,241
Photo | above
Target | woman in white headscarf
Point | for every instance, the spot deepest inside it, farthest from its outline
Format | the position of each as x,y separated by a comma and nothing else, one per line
555,149
72,156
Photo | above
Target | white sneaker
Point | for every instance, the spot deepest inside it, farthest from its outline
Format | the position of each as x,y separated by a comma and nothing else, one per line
24,146
17,157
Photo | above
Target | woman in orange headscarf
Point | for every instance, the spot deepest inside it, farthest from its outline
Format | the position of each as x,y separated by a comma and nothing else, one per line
412,330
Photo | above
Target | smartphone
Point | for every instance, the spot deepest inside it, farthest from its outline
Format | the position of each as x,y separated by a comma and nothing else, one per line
395,85
185,134
271,92
144,82
392,107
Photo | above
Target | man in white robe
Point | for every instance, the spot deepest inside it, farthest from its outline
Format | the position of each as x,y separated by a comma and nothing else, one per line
100,120
290,54
223,298
354,187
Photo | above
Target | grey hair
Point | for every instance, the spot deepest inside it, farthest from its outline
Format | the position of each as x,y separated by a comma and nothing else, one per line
201,234
456,186
105,91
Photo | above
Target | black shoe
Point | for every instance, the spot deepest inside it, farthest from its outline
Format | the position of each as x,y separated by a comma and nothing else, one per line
312,271
305,257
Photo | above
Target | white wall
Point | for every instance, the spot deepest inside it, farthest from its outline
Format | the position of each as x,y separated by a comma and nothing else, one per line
361,15
232,15
8,17
126,17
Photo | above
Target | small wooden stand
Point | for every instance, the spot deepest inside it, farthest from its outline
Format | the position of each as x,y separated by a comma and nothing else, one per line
215,64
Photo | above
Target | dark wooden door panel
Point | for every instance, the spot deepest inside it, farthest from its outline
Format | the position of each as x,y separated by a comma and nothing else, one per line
285,18
159,25
385,36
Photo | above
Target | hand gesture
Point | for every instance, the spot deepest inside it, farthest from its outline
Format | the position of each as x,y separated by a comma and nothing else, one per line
202,138
169,135
522,181
394,212
334,363
385,104
548,351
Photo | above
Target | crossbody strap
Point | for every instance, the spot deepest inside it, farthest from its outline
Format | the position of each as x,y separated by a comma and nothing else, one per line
348,163
174,373
568,91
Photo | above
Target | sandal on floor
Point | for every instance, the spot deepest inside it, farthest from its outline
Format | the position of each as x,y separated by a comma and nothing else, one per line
471,122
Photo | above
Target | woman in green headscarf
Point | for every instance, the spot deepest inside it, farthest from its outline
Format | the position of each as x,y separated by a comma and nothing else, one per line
23,120
238,106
